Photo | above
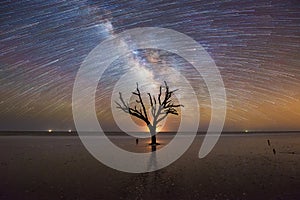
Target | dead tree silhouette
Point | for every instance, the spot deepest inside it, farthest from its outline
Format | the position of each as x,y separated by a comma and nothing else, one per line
160,107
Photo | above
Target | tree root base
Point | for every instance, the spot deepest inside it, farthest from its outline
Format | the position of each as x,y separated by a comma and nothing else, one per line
154,144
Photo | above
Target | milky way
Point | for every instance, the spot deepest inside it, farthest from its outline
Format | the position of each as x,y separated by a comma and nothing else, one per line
255,44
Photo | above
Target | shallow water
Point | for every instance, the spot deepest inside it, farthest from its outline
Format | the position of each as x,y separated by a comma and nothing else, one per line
239,167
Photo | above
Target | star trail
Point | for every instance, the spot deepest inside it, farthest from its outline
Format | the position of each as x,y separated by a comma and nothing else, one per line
255,44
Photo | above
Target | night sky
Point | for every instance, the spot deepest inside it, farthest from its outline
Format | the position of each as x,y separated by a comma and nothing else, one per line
255,44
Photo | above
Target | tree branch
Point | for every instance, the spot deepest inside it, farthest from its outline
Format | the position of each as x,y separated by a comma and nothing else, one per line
159,111
132,111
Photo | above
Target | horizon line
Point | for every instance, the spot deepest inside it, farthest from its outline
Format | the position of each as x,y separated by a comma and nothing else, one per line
74,131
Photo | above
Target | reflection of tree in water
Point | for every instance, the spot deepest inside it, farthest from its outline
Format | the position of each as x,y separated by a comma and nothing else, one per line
148,185
152,164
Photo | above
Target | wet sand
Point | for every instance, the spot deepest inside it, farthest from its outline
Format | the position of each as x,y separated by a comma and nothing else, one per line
239,167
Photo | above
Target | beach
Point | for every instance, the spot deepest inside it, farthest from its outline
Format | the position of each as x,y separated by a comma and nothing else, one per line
239,167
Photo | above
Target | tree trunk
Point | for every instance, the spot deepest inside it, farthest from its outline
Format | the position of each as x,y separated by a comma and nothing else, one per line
152,129
153,139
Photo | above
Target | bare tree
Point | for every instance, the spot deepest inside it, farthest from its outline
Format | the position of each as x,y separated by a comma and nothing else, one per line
160,107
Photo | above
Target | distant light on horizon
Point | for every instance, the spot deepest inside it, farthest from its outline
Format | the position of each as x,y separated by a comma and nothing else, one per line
50,130
69,130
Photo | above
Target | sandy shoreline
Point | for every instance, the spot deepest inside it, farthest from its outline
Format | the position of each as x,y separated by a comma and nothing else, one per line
239,167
